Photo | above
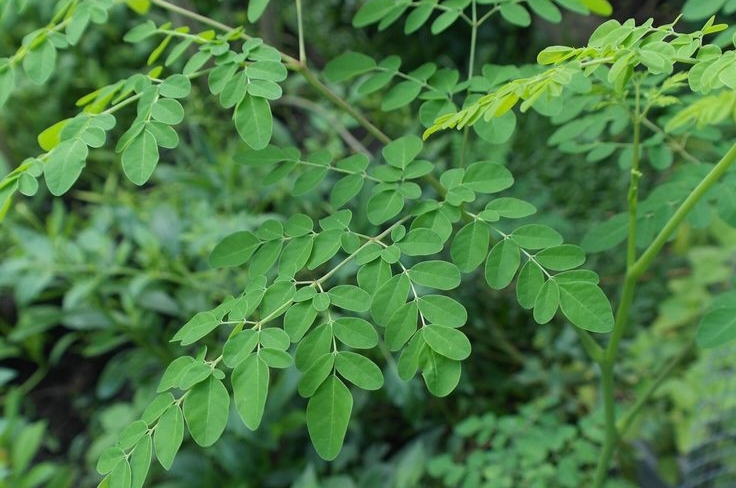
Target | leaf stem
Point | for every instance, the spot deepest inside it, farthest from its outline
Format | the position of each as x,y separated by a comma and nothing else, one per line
300,33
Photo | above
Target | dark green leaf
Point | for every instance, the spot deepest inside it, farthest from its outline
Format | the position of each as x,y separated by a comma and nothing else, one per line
586,306
234,250
440,275
348,65
441,374
140,157
470,246
359,370
328,414
442,310
250,389
401,326
547,302
254,121
355,332
448,341
530,280
561,258
206,409
536,236
401,94
168,436
502,263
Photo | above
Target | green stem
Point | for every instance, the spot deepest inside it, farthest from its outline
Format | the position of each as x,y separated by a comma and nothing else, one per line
608,358
473,38
300,32
646,259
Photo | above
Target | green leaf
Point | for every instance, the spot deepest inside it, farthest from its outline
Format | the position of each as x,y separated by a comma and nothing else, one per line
373,274
441,374
298,225
389,297
487,177
130,435
256,9
445,20
515,14
167,111
120,477
317,373
328,414
442,310
440,275
447,341
298,319
348,65
383,206
502,263
470,246
195,373
598,7
274,337
109,458
314,345
7,82
197,327
586,306
420,242
250,389
234,250
25,446
536,236
355,332
418,17
308,181
401,326
39,62
295,255
238,347
157,407
173,372
511,208
546,9
267,70
350,297
168,436
140,157
717,327
254,121
359,370
175,86
577,275
140,462
326,245
64,165
561,258
401,94
339,220
402,151
206,410
346,189
606,235
528,284
408,362
372,11
277,298
547,302
140,32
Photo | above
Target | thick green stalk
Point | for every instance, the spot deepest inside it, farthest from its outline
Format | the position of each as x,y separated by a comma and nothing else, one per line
622,313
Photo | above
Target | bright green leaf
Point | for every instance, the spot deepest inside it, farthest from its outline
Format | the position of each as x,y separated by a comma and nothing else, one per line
234,250
168,436
447,341
254,121
547,302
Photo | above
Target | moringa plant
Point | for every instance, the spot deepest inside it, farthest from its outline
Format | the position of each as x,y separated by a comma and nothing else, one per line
373,268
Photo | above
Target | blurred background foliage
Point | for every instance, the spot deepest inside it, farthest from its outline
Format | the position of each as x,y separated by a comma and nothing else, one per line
93,285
